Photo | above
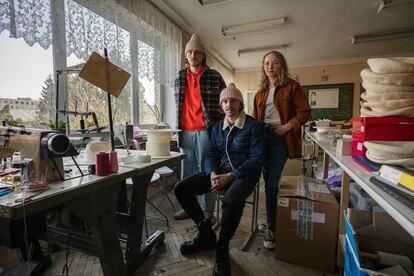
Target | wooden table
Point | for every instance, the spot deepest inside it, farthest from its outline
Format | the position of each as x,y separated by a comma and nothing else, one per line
401,213
84,196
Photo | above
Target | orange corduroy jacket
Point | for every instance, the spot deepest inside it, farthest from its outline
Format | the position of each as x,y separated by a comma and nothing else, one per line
293,107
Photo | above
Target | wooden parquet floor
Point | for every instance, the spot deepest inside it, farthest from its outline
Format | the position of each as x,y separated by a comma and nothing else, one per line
166,258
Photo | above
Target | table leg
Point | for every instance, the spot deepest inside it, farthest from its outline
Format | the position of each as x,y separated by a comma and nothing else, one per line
137,250
98,210
325,165
343,206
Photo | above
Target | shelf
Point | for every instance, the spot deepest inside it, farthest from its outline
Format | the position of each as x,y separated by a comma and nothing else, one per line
401,213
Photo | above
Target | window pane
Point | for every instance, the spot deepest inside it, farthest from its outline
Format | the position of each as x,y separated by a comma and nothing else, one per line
84,96
26,86
149,92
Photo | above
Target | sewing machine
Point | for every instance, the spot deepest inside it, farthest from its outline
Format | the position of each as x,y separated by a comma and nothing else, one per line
40,151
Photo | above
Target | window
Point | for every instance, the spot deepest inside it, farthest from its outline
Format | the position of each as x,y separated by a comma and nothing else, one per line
150,110
152,58
19,62
82,95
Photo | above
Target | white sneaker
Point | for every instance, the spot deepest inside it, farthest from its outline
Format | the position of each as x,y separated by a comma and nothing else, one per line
269,239
262,227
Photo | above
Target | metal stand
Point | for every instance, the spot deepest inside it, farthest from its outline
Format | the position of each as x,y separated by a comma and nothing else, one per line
255,211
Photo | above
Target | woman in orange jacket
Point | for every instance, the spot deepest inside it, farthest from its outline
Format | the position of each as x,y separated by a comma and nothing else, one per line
283,108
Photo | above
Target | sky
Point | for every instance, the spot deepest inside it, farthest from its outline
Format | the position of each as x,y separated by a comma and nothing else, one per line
23,69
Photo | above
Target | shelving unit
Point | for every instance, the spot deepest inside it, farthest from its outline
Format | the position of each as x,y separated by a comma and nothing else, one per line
401,213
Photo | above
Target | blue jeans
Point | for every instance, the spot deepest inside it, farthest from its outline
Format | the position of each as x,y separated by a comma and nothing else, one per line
275,159
195,145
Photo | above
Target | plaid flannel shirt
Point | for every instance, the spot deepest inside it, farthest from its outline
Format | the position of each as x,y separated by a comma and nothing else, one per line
211,84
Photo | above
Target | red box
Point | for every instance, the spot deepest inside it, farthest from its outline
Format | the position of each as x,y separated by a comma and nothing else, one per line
382,129
358,148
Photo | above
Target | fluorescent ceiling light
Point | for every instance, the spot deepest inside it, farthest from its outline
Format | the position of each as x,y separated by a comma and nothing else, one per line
211,2
384,4
261,49
382,36
254,27
221,60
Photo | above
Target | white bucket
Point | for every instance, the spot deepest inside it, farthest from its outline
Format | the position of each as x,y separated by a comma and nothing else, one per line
158,142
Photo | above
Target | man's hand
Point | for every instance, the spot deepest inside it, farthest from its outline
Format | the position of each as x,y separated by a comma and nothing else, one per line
282,129
220,182
213,178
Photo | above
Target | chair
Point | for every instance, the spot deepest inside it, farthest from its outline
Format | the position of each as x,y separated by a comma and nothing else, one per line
154,179
164,172
255,212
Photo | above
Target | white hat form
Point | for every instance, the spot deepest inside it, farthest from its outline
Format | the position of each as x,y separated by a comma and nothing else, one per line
372,97
405,112
372,87
93,147
391,79
391,152
389,105
392,65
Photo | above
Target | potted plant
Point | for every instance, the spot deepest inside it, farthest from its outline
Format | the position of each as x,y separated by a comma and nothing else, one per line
61,126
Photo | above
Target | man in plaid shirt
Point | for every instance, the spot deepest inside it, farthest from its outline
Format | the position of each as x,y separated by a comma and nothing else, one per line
197,93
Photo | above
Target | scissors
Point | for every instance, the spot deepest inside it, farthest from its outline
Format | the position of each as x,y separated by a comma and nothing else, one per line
27,199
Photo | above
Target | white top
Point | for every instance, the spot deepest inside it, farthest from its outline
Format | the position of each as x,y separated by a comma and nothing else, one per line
271,114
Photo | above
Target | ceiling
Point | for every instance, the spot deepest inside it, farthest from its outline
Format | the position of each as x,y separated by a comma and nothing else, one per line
318,32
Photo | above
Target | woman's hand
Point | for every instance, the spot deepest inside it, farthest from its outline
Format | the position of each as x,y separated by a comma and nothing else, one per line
282,129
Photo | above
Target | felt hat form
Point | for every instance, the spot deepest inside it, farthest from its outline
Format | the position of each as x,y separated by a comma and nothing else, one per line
376,88
406,79
391,152
392,65
405,112
387,96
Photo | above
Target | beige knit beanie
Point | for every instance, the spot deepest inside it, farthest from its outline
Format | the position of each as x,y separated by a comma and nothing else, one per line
194,44
231,92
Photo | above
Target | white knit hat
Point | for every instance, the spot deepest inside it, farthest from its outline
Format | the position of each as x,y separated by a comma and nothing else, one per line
194,44
231,92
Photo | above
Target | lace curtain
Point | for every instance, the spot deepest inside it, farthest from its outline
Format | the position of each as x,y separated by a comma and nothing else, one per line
92,25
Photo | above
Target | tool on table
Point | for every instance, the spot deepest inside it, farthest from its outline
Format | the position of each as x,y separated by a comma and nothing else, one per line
26,199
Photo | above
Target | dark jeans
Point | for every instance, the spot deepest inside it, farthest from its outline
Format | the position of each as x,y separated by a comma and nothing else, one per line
275,159
233,202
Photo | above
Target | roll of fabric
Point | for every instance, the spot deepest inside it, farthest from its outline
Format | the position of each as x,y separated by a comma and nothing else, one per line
373,87
392,65
406,79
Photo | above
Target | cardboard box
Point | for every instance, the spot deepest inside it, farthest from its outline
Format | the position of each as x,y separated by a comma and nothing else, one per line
377,231
307,222
343,147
